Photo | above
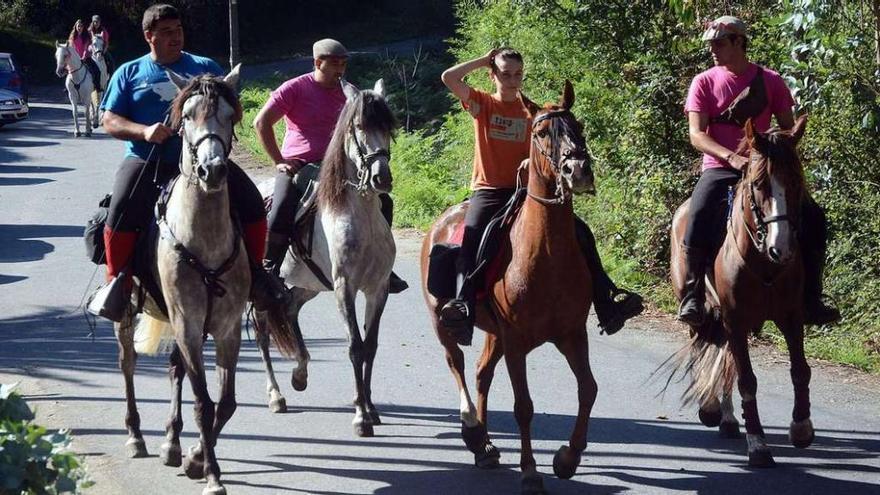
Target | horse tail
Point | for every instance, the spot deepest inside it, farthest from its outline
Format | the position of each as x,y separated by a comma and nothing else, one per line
708,361
152,336
279,328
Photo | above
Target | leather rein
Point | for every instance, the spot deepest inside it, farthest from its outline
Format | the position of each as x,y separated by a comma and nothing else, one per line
562,194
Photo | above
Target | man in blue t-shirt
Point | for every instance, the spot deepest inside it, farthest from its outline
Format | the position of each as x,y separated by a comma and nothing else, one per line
135,106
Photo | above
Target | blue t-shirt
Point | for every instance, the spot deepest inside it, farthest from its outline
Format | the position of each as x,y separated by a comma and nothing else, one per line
141,92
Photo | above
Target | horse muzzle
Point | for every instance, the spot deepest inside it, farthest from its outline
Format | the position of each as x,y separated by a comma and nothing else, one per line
212,174
380,176
579,176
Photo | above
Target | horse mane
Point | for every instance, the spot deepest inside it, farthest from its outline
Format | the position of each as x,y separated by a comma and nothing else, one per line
778,157
212,88
374,115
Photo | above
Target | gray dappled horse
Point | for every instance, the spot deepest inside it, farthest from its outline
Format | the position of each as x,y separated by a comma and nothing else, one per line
78,82
203,271
352,245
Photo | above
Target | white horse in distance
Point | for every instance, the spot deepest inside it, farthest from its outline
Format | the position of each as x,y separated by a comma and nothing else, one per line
78,83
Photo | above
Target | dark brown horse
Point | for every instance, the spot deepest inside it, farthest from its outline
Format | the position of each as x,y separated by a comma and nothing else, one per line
543,294
757,276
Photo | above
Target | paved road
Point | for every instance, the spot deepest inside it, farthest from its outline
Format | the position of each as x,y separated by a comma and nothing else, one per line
639,443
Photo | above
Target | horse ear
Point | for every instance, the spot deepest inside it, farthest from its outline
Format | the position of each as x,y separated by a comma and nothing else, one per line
567,96
531,106
379,88
177,79
797,132
749,130
349,89
231,79
57,44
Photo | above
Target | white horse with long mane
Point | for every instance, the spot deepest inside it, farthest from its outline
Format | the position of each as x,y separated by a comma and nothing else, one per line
352,246
78,83
96,51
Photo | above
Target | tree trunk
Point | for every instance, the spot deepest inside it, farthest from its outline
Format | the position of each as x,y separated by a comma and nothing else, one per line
876,11
233,33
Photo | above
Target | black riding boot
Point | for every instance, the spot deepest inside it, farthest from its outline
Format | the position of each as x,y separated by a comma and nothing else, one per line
459,314
267,286
396,284
691,310
816,312
613,305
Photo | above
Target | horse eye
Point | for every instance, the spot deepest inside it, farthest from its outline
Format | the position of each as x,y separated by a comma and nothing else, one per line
542,133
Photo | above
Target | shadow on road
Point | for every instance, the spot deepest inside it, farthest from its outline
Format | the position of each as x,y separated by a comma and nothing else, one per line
20,243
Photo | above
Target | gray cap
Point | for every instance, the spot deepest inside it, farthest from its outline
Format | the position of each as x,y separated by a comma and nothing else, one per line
328,48
96,17
725,25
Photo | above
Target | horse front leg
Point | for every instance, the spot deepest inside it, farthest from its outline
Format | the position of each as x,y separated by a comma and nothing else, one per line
759,452
87,110
171,452
127,361
345,300
373,314
227,360
523,410
800,432
74,109
729,426
277,402
576,352
477,438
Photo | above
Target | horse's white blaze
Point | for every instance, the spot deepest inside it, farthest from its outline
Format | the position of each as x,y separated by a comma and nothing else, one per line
779,235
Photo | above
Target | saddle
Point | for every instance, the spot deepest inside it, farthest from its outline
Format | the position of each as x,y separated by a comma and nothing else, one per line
489,265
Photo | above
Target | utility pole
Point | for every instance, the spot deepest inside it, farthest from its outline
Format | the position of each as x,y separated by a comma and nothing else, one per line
233,33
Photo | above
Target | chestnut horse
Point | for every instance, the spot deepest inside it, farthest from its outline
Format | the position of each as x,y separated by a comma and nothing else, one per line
543,295
757,276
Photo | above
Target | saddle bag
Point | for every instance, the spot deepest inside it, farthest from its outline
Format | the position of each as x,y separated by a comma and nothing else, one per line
93,234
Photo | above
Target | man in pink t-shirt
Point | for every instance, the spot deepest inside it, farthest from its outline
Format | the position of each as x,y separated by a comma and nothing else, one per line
715,127
310,105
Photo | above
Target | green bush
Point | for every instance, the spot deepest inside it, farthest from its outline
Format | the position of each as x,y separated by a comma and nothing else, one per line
34,460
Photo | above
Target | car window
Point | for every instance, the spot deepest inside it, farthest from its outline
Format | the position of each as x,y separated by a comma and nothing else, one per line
5,65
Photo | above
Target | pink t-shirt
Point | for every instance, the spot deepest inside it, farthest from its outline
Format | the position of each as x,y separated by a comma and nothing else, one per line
712,91
310,112
81,47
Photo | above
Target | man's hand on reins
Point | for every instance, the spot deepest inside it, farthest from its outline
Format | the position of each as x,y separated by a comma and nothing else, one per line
157,133
290,167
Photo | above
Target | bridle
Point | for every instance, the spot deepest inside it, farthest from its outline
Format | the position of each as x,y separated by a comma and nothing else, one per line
193,147
562,194
365,160
759,236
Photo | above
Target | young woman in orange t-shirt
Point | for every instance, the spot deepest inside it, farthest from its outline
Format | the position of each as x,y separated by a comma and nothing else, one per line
502,129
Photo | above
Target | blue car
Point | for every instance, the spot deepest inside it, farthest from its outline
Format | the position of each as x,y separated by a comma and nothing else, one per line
12,76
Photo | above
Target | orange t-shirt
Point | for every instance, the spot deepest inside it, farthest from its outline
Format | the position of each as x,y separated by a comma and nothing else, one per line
502,139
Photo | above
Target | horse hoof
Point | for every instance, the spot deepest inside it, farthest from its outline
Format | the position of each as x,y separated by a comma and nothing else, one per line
194,465
299,381
761,459
77,134
171,455
474,437
729,429
801,433
710,418
488,457
214,490
363,430
136,448
532,484
565,462
278,405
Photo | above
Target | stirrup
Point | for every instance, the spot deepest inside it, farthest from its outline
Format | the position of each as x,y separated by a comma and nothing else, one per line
455,313
112,300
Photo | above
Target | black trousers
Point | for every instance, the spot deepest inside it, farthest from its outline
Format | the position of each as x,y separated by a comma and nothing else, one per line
95,72
288,193
131,209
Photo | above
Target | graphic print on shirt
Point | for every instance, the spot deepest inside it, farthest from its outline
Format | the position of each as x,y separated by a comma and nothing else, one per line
507,128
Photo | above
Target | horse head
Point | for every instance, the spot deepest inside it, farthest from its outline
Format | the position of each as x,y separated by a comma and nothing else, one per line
773,185
98,46
559,150
205,111
62,58
359,153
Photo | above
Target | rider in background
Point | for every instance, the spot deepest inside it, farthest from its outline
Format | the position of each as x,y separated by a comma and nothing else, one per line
503,130
80,39
310,105
97,28
715,126
136,105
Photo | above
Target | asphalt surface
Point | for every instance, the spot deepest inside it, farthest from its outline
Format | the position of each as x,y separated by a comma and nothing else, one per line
639,442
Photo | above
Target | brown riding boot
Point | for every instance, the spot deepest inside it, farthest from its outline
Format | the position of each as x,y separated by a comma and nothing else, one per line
692,310
816,312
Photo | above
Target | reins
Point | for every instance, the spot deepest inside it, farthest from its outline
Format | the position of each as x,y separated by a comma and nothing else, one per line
362,186
562,195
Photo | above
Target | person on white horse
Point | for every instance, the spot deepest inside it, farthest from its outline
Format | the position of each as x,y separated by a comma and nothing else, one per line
80,39
78,82
97,28
310,105
135,108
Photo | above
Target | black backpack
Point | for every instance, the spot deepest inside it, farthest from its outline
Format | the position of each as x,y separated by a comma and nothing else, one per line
93,235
